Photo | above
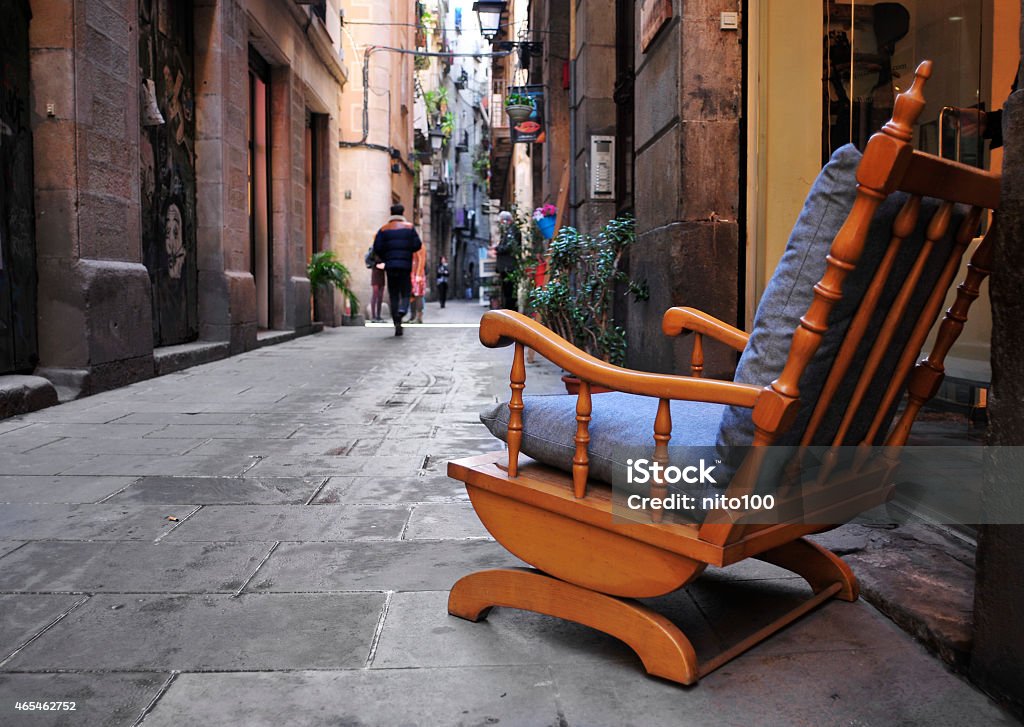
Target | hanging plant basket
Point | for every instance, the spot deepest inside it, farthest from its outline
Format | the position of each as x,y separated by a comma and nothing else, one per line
518,112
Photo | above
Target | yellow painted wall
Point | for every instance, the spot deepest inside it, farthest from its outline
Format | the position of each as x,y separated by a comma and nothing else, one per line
784,140
785,133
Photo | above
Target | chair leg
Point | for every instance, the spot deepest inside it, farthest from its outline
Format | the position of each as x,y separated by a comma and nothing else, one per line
818,566
661,646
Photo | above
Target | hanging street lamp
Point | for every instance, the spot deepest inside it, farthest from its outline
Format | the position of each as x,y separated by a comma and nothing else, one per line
489,13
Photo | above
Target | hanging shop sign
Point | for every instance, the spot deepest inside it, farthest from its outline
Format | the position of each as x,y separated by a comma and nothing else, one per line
532,130
654,15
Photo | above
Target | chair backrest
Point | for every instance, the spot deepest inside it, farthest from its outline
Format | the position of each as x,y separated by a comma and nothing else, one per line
875,362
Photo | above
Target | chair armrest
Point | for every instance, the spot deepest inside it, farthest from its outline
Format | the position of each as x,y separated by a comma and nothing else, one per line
503,328
677,320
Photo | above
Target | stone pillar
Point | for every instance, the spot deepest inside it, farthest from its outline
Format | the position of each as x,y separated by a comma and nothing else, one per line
996,661
688,105
95,317
227,292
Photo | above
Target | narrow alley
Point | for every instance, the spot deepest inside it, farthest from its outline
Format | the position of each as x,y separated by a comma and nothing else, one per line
270,540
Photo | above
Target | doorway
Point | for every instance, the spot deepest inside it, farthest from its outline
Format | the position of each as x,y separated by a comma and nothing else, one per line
18,333
167,169
260,234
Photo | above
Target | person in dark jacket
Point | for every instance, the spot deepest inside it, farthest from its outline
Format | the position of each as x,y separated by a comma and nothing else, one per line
395,244
442,280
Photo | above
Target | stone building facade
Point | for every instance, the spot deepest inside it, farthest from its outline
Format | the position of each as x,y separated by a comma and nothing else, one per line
375,163
185,165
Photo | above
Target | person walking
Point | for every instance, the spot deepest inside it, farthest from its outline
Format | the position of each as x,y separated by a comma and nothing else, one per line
418,300
442,280
377,283
395,243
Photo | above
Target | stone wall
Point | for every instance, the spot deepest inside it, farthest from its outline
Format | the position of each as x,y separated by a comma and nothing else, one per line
228,304
996,662
94,313
95,295
688,94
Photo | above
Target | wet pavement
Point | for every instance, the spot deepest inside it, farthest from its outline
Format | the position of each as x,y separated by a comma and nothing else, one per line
269,540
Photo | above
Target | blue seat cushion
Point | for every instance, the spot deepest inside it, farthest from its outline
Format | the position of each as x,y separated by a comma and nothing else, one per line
621,429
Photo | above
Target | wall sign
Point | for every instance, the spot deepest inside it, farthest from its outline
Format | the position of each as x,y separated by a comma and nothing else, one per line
654,15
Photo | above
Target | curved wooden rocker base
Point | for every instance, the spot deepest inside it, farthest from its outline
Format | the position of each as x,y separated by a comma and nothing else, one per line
662,647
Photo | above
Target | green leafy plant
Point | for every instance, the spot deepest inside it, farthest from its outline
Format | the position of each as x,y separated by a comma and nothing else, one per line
448,124
436,101
324,270
482,167
518,99
578,299
421,63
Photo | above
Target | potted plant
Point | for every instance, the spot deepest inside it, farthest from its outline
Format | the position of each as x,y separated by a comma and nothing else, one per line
545,219
577,300
518,106
324,271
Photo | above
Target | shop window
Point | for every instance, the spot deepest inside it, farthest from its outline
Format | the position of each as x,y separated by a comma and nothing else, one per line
870,52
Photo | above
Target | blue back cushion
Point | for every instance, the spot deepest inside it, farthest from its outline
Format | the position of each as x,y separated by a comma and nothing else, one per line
791,290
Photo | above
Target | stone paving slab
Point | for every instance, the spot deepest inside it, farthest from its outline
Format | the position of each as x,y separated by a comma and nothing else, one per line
241,430
10,546
282,466
100,700
24,616
372,566
33,463
130,464
220,490
445,521
360,489
865,687
23,440
319,523
84,522
72,430
210,632
419,632
12,424
162,420
131,446
266,447
121,567
398,698
734,609
59,489
92,410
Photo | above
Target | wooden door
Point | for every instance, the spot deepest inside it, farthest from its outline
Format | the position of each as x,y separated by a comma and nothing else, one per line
18,340
167,156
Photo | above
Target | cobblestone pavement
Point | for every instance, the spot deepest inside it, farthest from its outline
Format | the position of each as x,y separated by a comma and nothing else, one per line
269,540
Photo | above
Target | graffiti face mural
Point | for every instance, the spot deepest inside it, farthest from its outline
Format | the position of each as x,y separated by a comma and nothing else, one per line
173,242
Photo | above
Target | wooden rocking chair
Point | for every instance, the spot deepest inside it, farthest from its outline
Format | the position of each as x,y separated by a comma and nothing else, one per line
589,565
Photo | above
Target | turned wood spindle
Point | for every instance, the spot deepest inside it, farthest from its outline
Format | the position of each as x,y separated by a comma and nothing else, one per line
515,409
580,462
697,357
662,434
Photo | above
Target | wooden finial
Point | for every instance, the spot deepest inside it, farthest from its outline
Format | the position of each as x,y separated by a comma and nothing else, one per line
909,105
